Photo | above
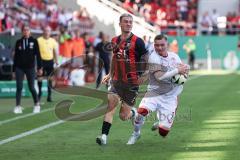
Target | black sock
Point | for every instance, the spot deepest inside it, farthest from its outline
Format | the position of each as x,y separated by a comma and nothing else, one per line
106,127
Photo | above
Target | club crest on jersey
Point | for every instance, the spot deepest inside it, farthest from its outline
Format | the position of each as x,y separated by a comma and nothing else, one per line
127,46
31,45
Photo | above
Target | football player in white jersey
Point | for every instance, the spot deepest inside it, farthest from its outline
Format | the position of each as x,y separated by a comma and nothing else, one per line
162,93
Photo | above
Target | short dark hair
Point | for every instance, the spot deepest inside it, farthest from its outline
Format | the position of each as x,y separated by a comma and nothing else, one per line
100,34
160,37
124,15
25,26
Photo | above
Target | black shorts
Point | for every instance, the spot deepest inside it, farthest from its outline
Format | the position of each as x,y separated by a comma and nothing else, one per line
127,92
47,67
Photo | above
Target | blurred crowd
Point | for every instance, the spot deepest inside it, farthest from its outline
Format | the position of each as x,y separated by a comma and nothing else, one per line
171,16
214,23
36,13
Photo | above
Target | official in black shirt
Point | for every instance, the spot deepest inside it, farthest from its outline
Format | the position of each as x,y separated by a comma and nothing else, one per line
26,54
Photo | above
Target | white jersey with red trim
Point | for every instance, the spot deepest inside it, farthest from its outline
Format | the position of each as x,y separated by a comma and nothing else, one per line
164,64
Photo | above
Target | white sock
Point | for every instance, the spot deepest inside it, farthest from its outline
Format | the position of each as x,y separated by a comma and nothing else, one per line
139,121
104,136
134,112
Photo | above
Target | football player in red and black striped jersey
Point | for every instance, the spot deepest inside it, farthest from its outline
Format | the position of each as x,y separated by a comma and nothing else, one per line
128,56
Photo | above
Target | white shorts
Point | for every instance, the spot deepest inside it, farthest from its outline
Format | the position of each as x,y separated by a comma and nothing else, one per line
165,106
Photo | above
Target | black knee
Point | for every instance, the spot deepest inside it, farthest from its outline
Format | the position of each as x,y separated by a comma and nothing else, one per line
32,89
19,89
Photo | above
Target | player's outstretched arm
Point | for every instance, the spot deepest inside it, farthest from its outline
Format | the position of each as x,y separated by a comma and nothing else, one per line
181,69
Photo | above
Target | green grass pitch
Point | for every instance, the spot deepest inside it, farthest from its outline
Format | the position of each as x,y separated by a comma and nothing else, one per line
207,127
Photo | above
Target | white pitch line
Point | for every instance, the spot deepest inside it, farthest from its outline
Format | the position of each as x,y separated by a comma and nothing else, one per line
46,110
24,134
27,133
24,116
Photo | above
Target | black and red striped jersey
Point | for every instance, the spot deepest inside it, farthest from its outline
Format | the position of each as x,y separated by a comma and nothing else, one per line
127,56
